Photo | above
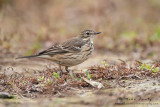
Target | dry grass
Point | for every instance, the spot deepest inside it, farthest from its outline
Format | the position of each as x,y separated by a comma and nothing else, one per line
45,83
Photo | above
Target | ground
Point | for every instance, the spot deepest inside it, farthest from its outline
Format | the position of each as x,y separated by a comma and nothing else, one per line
32,81
123,71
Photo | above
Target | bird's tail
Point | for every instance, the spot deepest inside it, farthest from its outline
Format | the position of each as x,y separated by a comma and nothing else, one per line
27,56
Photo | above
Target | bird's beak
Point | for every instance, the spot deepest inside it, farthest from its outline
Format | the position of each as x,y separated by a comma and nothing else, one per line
95,33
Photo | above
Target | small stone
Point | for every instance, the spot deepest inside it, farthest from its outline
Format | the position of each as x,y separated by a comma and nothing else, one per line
5,95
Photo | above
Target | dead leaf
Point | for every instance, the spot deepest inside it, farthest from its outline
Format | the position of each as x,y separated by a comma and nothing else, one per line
93,83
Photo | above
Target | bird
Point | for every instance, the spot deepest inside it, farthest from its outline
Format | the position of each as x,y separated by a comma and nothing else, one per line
71,52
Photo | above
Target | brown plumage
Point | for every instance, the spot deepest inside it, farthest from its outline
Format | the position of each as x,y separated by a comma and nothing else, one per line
71,52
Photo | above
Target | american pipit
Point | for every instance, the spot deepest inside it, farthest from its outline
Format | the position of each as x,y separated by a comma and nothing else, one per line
71,52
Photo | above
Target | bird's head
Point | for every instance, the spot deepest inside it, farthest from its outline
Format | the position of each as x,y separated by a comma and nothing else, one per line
88,34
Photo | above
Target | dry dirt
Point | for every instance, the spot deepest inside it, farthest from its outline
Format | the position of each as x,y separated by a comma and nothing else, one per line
126,88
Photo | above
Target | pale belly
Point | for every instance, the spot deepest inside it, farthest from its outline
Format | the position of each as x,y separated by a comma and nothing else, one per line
75,59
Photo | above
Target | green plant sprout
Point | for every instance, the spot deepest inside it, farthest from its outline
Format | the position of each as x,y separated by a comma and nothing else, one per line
157,69
40,79
56,75
104,64
78,79
71,74
149,67
88,75
100,79
48,81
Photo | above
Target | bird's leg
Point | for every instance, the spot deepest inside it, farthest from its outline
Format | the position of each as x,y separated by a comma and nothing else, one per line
66,68
60,69
70,72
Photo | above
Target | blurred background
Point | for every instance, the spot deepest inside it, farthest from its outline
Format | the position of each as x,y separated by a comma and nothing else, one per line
29,26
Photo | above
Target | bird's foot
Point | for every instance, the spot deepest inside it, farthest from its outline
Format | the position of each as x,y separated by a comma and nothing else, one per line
60,73
66,68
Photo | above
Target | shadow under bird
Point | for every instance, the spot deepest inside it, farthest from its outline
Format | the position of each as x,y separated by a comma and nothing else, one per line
71,52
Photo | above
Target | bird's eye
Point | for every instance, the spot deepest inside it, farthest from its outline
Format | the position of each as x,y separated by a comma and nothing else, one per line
87,33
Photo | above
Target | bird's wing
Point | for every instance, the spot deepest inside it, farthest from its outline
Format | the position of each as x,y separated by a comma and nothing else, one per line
71,46
56,49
